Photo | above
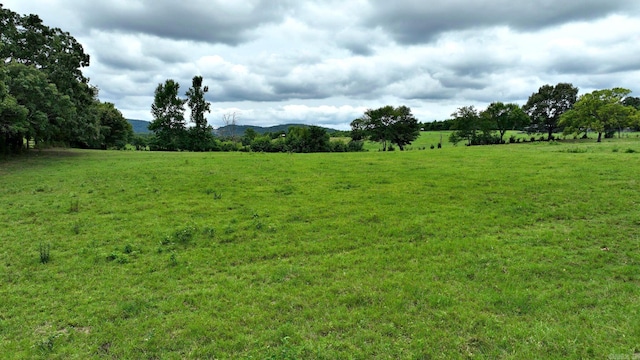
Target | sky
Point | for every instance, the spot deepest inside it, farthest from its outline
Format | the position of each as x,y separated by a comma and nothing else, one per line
325,62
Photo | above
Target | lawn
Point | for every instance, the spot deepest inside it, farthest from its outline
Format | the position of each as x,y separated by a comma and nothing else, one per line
511,251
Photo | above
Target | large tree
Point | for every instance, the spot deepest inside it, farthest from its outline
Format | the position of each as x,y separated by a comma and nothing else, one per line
387,125
168,123
50,114
60,58
466,124
115,130
602,111
547,105
13,119
504,117
200,135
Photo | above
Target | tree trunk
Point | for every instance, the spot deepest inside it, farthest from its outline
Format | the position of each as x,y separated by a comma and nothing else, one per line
599,137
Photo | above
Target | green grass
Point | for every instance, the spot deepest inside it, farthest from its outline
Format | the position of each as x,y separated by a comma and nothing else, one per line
511,251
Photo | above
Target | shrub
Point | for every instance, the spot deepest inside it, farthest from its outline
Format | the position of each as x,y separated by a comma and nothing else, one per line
355,145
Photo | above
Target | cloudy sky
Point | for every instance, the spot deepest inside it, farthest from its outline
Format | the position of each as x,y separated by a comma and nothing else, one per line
325,62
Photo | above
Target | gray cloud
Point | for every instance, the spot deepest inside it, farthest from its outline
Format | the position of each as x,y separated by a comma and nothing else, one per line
414,21
226,22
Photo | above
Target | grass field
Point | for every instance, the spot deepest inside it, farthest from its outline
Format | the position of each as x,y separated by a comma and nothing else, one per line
511,251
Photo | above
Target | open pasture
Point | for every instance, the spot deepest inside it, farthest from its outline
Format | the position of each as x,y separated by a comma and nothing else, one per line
511,251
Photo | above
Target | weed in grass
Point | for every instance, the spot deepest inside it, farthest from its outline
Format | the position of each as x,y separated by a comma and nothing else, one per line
46,345
128,249
185,235
45,253
216,195
75,206
118,258
173,259
76,228
209,232
630,151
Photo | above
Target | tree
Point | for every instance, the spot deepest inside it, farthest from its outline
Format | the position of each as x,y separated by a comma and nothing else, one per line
115,130
201,135
230,120
505,117
602,111
168,123
632,101
63,106
50,115
547,105
249,135
13,119
387,125
466,124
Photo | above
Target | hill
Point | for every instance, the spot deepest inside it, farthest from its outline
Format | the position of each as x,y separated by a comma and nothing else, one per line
238,130
139,126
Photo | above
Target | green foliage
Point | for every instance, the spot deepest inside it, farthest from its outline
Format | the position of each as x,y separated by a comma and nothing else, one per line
115,130
602,111
387,125
168,123
547,105
307,140
13,118
44,67
200,137
467,123
504,117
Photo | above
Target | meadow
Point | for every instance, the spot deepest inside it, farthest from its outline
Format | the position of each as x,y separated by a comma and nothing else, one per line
492,252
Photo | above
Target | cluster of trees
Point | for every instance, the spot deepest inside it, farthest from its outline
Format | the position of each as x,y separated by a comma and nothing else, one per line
170,131
298,139
387,125
550,110
44,97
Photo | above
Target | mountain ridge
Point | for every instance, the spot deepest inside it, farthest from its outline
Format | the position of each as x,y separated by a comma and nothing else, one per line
142,127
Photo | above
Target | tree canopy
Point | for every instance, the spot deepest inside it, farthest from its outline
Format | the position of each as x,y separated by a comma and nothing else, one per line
547,105
602,111
42,73
168,123
387,125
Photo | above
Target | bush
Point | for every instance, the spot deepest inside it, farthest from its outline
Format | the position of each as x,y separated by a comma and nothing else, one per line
338,146
355,145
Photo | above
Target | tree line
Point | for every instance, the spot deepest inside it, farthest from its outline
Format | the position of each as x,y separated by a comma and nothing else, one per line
171,133
550,110
44,97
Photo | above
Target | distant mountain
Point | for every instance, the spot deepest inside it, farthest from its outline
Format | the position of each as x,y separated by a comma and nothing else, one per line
142,127
139,126
238,130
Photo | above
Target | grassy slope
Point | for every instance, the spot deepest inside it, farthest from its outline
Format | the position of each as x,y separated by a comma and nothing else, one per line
494,252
